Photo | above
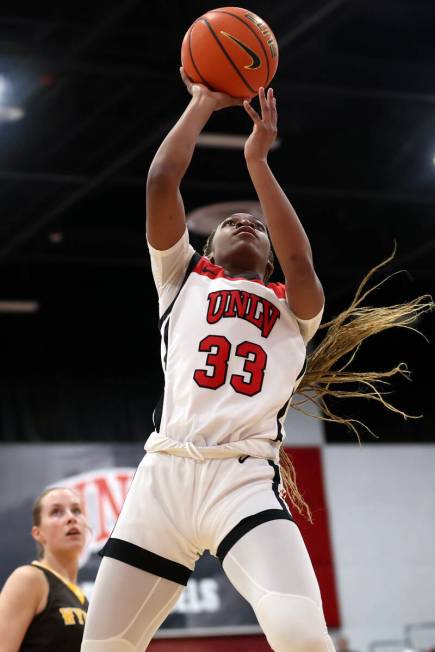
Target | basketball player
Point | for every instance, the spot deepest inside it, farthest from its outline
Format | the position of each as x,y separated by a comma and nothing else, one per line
233,349
41,607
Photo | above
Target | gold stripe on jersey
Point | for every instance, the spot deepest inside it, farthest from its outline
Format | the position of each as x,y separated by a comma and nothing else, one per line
72,587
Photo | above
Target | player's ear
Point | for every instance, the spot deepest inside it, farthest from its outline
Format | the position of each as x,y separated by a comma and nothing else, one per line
268,271
37,535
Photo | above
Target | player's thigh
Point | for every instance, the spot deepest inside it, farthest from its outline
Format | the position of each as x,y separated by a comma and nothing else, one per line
127,604
272,557
271,568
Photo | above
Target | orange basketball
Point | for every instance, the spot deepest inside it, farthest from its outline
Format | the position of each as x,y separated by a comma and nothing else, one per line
231,50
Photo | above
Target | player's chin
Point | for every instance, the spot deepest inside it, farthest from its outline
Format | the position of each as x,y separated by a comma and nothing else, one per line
76,541
248,241
255,247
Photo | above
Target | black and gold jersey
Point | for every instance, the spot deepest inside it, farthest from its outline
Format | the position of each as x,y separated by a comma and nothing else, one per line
59,627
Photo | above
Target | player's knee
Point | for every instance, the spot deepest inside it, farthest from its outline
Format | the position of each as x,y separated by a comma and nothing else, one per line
114,645
292,623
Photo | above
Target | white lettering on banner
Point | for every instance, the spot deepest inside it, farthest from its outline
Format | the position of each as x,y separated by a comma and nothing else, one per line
103,492
199,595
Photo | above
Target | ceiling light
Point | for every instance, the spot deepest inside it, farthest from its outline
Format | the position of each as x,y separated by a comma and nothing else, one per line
19,307
226,141
11,113
55,237
3,86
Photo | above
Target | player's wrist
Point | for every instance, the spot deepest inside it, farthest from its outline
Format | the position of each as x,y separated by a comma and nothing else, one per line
256,159
204,100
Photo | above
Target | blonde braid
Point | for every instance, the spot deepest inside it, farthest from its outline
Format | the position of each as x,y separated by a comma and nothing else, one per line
323,378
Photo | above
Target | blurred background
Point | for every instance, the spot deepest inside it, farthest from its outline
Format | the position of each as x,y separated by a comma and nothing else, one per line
87,92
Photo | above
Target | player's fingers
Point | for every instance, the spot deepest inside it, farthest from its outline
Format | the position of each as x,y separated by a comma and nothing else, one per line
263,102
274,114
271,103
185,78
273,111
251,112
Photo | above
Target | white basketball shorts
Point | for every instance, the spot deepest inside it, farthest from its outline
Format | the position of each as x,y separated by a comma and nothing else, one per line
178,507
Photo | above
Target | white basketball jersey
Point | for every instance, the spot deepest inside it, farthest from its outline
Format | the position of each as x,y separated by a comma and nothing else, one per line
232,352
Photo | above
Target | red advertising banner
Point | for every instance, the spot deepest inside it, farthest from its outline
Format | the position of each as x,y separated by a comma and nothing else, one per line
317,536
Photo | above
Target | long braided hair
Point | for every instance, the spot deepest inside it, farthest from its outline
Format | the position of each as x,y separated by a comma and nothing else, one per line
327,365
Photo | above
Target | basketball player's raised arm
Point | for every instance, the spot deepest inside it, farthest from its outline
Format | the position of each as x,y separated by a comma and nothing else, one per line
165,209
291,244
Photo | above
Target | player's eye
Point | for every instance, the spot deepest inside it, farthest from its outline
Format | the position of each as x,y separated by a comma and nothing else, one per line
259,226
229,222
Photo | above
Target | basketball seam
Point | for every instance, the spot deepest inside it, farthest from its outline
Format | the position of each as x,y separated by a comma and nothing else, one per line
191,56
228,13
227,55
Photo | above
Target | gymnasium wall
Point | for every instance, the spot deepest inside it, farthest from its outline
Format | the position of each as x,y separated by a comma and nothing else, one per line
381,510
382,522
373,541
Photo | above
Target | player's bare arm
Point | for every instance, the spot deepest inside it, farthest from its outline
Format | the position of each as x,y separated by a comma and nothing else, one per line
291,244
165,209
23,596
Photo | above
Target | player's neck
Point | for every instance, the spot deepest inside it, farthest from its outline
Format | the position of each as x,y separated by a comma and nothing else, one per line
238,270
66,566
249,275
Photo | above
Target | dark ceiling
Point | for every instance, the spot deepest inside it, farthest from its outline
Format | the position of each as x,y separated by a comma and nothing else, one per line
99,86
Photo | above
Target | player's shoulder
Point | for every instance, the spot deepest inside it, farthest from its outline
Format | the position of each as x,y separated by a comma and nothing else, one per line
26,582
278,289
28,574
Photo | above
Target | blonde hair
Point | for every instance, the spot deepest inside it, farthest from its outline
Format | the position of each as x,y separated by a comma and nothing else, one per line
327,366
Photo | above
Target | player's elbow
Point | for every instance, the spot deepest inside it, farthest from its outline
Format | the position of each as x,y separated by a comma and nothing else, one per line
162,176
300,268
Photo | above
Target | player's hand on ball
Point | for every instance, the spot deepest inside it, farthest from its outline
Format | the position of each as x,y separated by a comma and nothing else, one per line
264,131
218,100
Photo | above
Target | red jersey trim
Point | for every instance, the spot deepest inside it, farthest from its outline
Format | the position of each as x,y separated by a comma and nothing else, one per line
205,268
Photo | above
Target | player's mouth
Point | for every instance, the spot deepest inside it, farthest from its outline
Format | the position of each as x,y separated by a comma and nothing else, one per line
245,229
73,531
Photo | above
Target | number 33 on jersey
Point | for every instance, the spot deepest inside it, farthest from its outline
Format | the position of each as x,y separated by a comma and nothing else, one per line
232,351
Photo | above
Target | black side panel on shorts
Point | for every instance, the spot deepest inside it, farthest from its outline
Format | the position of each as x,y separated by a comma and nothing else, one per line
276,481
247,524
145,560
279,416
250,522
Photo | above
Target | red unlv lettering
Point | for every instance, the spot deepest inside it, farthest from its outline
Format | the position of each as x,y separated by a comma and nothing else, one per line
237,303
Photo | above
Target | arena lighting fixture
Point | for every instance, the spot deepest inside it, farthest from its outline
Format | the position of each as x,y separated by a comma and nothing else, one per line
8,111
226,141
3,86
19,307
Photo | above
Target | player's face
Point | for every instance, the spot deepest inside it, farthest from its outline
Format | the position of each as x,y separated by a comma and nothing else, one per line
63,526
242,240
